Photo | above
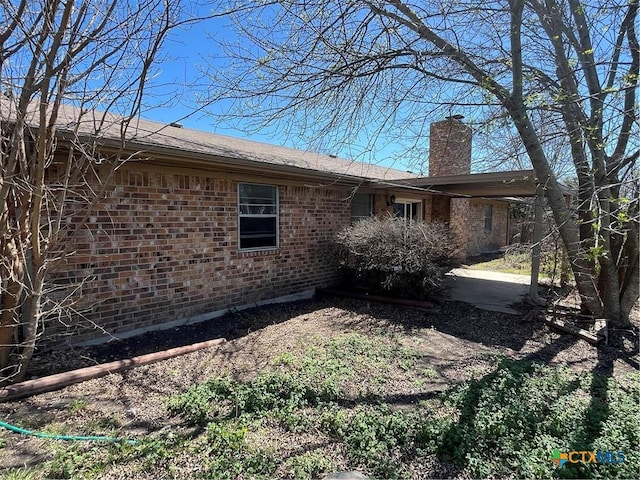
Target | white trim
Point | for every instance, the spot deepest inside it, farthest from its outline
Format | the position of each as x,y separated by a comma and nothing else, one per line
277,217
409,201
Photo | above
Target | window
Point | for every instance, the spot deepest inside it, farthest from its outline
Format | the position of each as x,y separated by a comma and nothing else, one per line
258,216
407,209
361,206
488,218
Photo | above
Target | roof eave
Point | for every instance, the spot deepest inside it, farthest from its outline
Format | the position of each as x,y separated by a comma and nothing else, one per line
169,156
513,183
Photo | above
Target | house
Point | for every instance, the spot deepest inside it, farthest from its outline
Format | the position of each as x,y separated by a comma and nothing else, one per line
198,223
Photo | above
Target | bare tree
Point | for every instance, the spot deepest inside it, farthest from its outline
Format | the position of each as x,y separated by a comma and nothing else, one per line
68,71
549,71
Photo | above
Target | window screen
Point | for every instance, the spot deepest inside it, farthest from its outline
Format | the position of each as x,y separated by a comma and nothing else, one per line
258,216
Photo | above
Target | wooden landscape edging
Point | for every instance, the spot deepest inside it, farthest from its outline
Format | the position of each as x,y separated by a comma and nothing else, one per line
600,333
60,380
421,304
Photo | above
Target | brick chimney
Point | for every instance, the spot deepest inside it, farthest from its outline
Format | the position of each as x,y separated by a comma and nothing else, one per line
450,154
449,147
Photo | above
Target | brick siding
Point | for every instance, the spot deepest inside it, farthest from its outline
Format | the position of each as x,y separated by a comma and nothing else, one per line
459,225
481,240
449,148
164,247
450,154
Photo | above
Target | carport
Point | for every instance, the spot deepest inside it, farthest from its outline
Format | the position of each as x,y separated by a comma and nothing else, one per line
514,183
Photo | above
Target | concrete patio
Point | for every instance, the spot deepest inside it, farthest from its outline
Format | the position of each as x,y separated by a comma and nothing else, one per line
493,291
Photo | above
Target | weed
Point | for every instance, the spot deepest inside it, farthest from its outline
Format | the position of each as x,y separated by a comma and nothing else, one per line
70,461
229,456
56,429
108,426
506,423
317,377
407,364
309,465
430,372
200,403
284,359
76,405
511,420
381,439
281,393
19,474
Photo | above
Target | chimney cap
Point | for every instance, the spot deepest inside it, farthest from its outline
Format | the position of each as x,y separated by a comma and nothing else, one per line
455,117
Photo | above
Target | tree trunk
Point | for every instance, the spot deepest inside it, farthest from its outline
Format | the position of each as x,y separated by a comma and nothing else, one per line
630,292
10,302
567,227
30,317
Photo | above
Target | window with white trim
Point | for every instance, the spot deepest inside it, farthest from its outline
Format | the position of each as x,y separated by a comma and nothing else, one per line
410,211
257,216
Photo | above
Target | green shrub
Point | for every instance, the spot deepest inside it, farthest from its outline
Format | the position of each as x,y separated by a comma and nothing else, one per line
392,256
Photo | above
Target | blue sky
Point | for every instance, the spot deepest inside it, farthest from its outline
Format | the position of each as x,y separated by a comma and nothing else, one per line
180,83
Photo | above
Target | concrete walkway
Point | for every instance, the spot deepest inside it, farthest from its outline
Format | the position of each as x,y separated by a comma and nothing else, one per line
487,290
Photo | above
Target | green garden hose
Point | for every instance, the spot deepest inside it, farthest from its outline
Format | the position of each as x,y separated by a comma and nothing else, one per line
54,436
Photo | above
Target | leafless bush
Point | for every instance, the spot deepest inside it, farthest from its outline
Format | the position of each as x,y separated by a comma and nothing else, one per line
387,254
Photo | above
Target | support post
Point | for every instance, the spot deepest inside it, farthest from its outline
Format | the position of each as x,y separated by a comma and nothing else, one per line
565,266
537,246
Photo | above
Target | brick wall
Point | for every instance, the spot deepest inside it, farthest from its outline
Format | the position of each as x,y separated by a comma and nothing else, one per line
441,209
380,204
459,225
449,148
164,247
481,240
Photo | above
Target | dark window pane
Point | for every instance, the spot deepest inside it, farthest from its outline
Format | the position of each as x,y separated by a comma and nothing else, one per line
257,194
414,211
488,217
360,206
258,211
398,210
258,232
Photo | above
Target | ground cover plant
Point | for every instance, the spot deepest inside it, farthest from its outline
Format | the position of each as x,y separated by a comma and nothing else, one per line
366,395
506,423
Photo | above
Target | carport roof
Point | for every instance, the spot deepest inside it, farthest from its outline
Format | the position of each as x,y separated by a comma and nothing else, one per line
515,183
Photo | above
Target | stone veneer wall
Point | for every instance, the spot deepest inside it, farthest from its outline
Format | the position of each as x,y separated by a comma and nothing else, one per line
164,247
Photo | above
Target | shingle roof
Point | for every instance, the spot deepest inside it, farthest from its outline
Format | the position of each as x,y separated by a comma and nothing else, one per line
153,136
189,140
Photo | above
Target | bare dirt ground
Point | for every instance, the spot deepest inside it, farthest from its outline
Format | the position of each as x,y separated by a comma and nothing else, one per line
456,343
